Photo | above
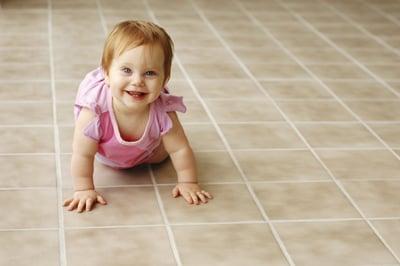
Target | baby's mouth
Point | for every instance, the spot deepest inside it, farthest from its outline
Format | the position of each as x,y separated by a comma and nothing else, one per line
137,94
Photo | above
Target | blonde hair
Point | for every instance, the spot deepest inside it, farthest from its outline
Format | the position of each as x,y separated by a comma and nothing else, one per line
133,33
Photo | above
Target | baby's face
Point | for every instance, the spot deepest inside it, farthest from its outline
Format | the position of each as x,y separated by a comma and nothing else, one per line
136,77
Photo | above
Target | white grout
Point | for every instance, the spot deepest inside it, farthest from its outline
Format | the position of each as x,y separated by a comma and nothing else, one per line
60,209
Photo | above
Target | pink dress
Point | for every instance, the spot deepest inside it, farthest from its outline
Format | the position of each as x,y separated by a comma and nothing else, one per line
113,151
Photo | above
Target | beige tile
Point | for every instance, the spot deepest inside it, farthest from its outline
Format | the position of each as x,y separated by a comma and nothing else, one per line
361,163
268,135
324,55
181,88
284,29
81,4
376,198
195,112
310,200
228,89
196,41
25,91
23,55
309,40
67,39
390,231
230,203
359,89
24,40
104,176
73,71
376,110
210,243
338,29
211,167
143,246
28,171
238,28
295,90
334,243
65,113
355,42
76,55
388,29
338,72
329,110
24,247
214,71
203,136
243,111
376,56
395,86
12,72
26,139
39,4
280,165
338,135
125,206
67,90
277,71
26,114
36,208
66,136
250,41
388,132
123,5
205,55
268,55
186,27
385,71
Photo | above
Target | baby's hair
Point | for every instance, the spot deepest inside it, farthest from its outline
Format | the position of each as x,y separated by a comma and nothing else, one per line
133,33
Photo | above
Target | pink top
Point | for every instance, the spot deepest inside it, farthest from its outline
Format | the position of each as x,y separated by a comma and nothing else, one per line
94,94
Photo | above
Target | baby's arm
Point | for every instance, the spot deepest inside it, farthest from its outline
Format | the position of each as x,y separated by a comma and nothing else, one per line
182,157
83,152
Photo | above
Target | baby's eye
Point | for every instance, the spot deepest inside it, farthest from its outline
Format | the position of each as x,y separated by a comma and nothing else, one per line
126,70
150,73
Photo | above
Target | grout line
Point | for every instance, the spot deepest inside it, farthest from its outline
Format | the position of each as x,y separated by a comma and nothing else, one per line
360,27
60,209
337,182
226,143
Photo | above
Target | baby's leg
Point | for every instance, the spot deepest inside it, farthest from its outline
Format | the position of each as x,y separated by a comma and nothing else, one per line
159,155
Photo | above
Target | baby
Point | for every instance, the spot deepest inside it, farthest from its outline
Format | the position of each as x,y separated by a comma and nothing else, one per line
125,115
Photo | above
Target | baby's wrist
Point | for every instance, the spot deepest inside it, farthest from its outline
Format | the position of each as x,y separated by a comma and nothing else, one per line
83,189
187,182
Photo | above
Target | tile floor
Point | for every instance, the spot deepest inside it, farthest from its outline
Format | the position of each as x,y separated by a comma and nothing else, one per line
294,110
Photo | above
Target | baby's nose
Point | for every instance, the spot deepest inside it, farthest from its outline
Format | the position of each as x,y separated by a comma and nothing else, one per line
137,79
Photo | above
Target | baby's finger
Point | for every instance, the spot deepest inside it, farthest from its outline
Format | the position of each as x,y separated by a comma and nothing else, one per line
208,195
101,200
202,197
194,197
187,197
67,202
175,192
73,204
89,203
81,205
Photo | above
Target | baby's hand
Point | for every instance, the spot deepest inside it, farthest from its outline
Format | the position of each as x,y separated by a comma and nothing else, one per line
191,192
84,198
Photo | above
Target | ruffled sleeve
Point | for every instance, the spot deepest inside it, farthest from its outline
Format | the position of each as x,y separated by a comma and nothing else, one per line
169,103
92,94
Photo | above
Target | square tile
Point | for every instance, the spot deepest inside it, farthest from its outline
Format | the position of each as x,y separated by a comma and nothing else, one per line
27,139
390,231
30,208
277,71
25,91
256,136
309,200
268,55
338,135
334,243
295,90
308,110
376,110
203,137
280,165
228,89
360,164
16,113
210,243
125,206
323,55
205,55
214,71
23,247
12,72
376,198
28,171
195,113
211,167
386,72
388,132
144,246
230,203
339,72
243,111
360,90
